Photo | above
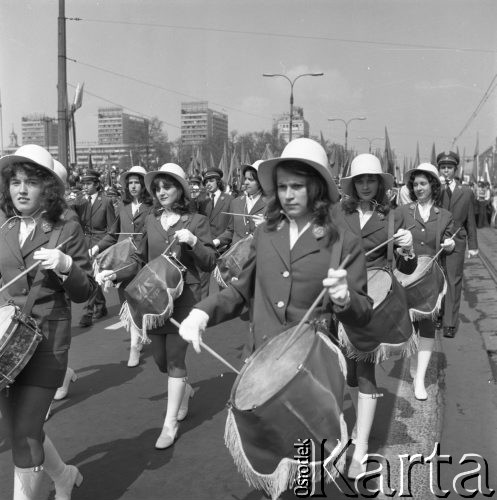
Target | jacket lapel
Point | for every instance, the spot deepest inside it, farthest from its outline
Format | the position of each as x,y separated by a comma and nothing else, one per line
40,237
97,204
307,243
352,221
258,207
218,207
10,232
280,239
455,196
375,223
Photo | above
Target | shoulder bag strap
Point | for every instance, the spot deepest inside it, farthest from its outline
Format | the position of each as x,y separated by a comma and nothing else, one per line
391,221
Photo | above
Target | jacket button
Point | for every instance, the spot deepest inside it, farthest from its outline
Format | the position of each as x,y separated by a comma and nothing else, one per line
264,338
280,304
285,274
21,268
422,243
24,291
422,230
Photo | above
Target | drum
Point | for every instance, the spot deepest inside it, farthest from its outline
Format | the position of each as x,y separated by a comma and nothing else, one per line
425,288
230,264
151,294
286,394
115,257
19,337
389,331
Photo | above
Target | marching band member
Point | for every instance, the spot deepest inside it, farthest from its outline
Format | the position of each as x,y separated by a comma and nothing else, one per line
131,215
290,253
194,248
433,231
365,210
32,203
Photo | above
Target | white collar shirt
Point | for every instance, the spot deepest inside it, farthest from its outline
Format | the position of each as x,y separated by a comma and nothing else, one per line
251,201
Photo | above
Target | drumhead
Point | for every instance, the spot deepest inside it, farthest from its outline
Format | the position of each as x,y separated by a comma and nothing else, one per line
425,264
7,312
379,285
264,375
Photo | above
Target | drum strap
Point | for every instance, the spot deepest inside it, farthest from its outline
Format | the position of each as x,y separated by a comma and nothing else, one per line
439,227
391,221
33,292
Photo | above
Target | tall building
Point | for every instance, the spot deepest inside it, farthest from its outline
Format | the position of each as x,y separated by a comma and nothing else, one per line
39,129
119,128
300,127
199,123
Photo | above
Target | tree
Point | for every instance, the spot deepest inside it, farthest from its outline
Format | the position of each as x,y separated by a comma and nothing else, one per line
159,148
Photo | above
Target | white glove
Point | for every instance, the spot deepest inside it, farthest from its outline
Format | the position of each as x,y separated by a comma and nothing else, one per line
338,288
403,238
448,244
258,219
53,259
186,236
93,251
472,253
193,326
104,277
216,242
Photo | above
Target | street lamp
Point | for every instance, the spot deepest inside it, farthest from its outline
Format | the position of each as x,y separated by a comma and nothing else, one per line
292,82
371,140
346,123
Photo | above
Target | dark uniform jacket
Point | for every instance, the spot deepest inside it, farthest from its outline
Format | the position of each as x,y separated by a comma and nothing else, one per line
218,221
242,227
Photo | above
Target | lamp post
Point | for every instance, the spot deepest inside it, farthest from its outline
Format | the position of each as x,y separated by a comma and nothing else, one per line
292,83
346,123
371,140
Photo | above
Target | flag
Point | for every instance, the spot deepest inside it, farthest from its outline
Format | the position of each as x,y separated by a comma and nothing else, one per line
321,140
78,97
90,163
475,158
417,161
234,167
267,153
433,155
461,165
388,160
211,162
223,164
200,159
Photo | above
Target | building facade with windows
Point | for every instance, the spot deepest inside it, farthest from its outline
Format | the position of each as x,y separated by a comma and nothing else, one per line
199,123
300,127
39,129
117,127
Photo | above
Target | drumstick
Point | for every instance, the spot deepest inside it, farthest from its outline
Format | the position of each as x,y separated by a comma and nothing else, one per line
125,233
33,266
209,350
243,215
438,253
296,333
369,252
169,246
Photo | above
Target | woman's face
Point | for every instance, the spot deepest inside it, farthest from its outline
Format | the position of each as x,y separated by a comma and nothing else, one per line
167,193
134,186
250,184
366,186
26,192
422,187
292,193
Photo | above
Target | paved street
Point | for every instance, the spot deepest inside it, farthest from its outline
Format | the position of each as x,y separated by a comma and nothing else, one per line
113,414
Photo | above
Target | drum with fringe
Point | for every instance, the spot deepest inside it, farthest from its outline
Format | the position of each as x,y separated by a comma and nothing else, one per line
115,257
19,337
425,288
390,330
286,394
151,294
230,264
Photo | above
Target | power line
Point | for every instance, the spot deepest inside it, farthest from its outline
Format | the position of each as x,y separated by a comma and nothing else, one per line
154,85
483,100
287,35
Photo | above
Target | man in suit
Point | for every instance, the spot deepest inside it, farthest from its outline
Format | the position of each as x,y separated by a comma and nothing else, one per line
96,214
216,203
459,200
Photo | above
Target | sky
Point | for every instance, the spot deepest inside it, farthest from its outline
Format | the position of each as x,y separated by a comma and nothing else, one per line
420,68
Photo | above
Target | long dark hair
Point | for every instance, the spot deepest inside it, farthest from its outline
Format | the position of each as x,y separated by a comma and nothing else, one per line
52,201
318,200
144,197
253,171
380,201
436,189
180,206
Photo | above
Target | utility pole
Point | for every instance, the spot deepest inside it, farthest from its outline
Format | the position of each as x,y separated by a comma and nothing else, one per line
62,86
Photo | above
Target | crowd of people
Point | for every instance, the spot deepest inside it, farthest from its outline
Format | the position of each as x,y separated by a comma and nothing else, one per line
302,234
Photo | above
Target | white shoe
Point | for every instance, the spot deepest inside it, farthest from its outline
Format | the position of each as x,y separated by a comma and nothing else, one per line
62,391
167,438
134,356
183,409
64,485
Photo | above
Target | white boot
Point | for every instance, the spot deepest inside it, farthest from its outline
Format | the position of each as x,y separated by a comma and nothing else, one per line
28,483
354,395
366,408
175,391
69,377
413,365
183,409
135,348
65,477
425,348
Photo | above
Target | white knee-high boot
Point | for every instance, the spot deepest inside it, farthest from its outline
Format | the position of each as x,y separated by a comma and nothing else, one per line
354,396
135,347
65,477
175,391
366,408
27,483
425,349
